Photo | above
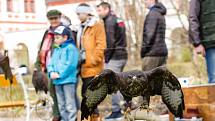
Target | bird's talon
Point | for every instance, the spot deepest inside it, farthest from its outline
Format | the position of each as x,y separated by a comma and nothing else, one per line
144,107
149,110
128,110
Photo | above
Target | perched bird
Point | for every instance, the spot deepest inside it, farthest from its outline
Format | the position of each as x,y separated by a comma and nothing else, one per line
5,65
40,81
158,81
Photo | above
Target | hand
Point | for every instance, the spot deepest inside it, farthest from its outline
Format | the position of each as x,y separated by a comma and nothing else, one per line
54,75
200,50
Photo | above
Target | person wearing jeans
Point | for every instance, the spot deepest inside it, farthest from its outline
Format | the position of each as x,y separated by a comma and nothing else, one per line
115,54
202,32
62,70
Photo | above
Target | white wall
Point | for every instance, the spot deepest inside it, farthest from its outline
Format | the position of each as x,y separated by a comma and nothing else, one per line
31,39
20,16
31,28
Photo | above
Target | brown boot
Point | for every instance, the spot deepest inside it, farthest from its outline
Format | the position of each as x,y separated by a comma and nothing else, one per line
56,119
95,117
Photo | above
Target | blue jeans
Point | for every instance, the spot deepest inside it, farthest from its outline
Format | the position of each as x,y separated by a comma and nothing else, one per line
116,66
210,59
66,99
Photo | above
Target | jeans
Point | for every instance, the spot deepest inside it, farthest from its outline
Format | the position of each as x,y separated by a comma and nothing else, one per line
78,103
210,60
116,66
66,98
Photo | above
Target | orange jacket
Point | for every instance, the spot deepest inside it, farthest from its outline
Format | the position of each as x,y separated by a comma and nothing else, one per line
93,40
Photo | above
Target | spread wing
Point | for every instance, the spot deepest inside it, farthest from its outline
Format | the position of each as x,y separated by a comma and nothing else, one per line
97,91
164,83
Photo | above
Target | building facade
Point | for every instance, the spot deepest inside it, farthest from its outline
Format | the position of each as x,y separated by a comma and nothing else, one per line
22,24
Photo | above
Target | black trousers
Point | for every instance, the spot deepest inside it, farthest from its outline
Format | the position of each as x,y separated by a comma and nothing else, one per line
86,82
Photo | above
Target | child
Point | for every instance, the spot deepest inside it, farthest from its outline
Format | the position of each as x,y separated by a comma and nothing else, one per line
62,70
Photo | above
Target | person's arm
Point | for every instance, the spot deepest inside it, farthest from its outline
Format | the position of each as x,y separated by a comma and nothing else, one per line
150,27
37,64
72,62
194,28
120,34
110,36
100,37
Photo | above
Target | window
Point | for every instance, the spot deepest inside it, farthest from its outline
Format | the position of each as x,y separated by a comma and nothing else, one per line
10,5
29,6
0,6
16,6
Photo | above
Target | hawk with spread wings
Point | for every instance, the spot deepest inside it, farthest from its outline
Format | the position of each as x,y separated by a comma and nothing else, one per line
159,81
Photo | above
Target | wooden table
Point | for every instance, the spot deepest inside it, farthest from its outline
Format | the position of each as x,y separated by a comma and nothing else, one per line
199,102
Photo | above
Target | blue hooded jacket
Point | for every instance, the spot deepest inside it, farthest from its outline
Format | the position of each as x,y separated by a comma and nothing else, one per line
64,61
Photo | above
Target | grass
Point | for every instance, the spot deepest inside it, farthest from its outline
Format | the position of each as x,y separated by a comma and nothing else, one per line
12,94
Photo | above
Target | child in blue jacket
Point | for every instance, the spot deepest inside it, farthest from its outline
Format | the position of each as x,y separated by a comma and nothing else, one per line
62,70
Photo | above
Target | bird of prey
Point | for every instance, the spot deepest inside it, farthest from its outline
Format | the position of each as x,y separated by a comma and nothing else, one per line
40,81
5,65
158,81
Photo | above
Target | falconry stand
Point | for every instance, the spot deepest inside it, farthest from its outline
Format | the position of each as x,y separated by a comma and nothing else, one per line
141,115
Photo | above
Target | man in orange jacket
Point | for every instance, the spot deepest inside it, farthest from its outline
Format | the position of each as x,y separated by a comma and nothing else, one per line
91,40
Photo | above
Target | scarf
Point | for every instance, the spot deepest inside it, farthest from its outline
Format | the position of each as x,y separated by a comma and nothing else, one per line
45,52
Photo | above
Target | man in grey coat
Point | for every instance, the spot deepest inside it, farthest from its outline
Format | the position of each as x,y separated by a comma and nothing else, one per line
202,32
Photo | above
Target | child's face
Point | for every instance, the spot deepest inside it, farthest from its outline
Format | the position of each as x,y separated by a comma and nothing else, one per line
59,39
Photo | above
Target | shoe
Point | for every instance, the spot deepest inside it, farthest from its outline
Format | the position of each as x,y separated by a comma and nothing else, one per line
115,116
56,119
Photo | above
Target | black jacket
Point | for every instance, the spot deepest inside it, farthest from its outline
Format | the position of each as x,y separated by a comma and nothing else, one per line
154,32
202,23
116,38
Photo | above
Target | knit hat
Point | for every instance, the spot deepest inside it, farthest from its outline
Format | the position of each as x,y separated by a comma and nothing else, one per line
84,9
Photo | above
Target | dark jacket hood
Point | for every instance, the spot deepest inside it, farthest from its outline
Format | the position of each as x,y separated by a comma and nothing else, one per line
64,44
67,42
160,8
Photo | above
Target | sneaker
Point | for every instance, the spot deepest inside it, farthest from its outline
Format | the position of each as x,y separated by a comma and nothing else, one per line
115,116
